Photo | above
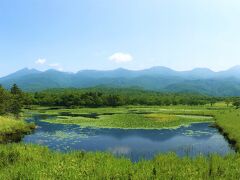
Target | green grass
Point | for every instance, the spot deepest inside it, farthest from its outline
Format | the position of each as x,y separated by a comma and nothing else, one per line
18,161
9,126
228,122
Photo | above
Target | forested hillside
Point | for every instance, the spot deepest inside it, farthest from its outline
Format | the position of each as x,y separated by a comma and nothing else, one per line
162,79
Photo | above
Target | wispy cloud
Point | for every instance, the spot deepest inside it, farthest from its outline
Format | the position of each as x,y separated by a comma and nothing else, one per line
121,57
41,61
56,66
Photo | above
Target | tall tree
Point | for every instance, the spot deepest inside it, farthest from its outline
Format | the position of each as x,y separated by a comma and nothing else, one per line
17,100
15,90
4,100
227,101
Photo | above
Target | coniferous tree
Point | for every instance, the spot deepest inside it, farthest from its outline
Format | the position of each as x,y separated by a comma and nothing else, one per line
236,103
4,100
16,100
15,90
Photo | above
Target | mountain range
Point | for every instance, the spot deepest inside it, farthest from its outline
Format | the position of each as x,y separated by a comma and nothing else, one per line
199,80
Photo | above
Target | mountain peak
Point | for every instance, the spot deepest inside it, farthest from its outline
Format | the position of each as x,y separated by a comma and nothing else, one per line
157,68
120,69
51,70
235,68
22,72
156,78
27,70
202,70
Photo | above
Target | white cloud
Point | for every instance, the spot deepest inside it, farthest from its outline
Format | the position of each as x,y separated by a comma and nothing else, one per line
121,57
41,61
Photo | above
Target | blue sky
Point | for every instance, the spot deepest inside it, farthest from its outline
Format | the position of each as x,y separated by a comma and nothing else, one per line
71,35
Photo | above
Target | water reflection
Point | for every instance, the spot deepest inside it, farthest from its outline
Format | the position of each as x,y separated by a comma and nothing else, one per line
196,139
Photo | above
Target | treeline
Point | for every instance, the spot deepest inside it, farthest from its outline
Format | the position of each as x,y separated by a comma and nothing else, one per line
11,101
100,97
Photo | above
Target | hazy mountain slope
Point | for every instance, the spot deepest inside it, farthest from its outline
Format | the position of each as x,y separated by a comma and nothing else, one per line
39,81
200,80
21,73
216,87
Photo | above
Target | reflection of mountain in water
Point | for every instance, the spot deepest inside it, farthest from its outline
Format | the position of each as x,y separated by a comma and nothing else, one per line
118,134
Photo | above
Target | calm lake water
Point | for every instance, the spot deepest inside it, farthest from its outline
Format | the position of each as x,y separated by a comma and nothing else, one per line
199,138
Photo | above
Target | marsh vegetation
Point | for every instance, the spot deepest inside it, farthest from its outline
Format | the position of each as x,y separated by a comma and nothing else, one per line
12,130
19,161
123,118
155,116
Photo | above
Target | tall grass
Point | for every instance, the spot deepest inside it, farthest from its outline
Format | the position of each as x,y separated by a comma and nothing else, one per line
12,128
228,122
18,161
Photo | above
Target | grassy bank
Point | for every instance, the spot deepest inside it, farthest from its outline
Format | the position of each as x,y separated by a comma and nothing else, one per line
19,161
12,128
228,122
124,117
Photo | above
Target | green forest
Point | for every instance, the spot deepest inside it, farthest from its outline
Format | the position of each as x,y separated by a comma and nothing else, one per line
14,99
100,97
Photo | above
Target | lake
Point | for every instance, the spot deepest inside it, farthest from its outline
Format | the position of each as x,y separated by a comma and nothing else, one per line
198,138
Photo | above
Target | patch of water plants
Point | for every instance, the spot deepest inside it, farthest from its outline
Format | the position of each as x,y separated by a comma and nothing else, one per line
124,118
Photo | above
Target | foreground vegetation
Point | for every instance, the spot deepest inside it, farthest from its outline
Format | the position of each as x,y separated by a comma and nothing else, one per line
12,128
18,161
228,122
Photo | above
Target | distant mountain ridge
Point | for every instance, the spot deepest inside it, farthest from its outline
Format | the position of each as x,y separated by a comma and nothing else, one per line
199,80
